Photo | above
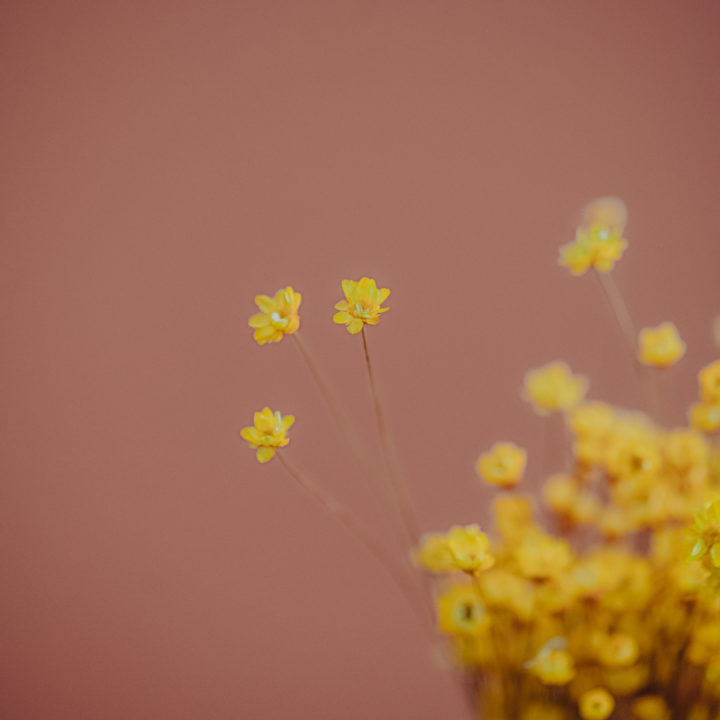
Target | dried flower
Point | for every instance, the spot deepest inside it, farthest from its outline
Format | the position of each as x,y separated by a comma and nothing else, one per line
661,346
503,465
553,387
278,316
268,433
361,305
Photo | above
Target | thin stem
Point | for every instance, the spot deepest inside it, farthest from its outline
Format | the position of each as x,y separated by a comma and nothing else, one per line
398,491
336,411
355,527
627,327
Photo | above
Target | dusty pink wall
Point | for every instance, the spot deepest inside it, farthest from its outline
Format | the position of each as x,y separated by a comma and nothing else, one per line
161,163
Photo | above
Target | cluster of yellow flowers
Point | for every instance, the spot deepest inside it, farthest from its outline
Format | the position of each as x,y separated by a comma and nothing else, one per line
613,608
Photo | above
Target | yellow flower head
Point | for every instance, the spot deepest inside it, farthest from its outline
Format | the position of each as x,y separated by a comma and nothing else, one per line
553,665
709,379
503,465
361,305
596,246
513,516
268,433
706,534
661,346
278,316
650,707
553,387
596,704
618,650
469,548
460,611
542,556
705,416
434,554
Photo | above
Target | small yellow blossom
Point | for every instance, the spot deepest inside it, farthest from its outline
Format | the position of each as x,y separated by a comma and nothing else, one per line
268,433
553,665
513,516
596,246
434,553
503,465
553,387
542,556
706,534
709,379
650,707
460,611
596,704
635,458
278,316
469,548
618,650
705,416
661,346
361,305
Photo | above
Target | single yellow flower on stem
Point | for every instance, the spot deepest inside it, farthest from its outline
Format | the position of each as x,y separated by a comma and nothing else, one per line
661,346
596,246
503,465
268,433
278,316
553,388
361,305
709,379
596,704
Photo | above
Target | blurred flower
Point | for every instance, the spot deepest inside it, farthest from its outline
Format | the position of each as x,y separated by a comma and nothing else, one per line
469,548
596,704
553,387
650,707
709,380
705,416
268,433
503,465
553,665
660,346
278,316
596,246
461,612
706,533
361,305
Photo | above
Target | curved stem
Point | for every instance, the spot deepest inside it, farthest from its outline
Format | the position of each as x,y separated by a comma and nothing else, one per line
354,526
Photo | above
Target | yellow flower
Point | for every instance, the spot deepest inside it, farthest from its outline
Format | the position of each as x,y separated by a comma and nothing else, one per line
618,650
278,316
513,516
706,534
460,612
705,416
361,305
434,553
596,246
661,346
709,378
469,548
553,387
503,465
543,556
596,704
633,458
650,707
268,433
553,665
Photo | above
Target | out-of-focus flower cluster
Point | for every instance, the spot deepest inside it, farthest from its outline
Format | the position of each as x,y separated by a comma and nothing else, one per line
607,612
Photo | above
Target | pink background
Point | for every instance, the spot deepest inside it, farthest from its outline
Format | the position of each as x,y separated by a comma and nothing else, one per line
163,162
